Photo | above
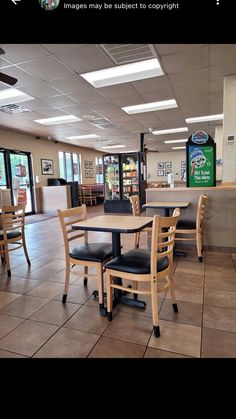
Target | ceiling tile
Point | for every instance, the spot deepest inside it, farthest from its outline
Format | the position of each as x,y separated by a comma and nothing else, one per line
181,79
17,53
164,49
186,60
85,59
151,85
59,101
39,90
46,68
121,90
71,84
222,54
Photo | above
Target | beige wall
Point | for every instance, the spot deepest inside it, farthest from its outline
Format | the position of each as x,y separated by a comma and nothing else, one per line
229,128
45,149
174,157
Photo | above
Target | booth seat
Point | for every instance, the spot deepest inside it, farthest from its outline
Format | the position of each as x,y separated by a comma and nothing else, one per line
91,193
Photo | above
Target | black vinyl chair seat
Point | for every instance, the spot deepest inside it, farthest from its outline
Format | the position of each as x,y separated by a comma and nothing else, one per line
136,261
186,225
93,252
11,235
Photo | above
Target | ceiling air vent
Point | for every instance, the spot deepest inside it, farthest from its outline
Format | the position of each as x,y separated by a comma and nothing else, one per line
128,53
103,123
13,109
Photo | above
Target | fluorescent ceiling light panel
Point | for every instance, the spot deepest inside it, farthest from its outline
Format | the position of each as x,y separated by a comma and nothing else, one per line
204,118
115,146
124,73
83,137
177,148
175,141
65,119
151,107
12,96
169,131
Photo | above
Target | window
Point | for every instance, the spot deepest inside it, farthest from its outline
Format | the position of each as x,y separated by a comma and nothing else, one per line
3,181
69,165
99,170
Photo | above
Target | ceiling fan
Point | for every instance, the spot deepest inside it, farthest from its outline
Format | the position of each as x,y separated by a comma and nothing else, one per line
4,78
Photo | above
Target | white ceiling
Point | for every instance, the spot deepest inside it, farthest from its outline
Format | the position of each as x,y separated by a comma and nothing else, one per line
50,73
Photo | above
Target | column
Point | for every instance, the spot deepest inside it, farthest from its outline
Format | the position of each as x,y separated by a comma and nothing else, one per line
229,129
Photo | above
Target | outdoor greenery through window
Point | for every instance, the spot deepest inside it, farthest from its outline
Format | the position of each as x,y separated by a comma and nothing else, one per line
70,166
99,170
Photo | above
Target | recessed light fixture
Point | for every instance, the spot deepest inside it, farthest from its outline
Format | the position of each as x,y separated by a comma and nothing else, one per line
169,131
65,119
177,148
151,107
115,146
9,96
83,137
204,118
175,141
124,73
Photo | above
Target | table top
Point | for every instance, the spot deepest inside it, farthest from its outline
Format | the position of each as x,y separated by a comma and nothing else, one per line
114,223
166,204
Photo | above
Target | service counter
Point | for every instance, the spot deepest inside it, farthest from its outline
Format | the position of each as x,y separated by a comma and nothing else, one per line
220,214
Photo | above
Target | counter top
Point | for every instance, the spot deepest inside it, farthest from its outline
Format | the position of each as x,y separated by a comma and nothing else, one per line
184,188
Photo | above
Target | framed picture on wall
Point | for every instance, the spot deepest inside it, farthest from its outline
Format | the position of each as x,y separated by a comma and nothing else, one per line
87,173
90,173
160,165
183,164
160,173
86,164
167,172
168,165
182,172
47,167
90,164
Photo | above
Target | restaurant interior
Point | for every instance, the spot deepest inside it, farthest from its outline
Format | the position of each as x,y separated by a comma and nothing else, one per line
128,149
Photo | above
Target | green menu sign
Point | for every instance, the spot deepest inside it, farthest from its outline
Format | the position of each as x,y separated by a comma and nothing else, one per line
201,160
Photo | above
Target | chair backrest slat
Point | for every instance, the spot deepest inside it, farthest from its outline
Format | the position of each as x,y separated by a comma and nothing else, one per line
163,235
135,205
71,217
13,218
201,210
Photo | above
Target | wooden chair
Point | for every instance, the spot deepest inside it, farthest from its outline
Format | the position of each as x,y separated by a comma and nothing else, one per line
88,195
135,205
87,254
155,267
13,232
192,230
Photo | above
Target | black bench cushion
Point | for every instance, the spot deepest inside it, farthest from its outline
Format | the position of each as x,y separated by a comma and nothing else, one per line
93,252
11,234
136,261
186,225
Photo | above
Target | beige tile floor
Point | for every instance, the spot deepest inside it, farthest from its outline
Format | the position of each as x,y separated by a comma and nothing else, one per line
34,322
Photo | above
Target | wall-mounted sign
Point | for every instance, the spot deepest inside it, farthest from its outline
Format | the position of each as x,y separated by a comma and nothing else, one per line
20,170
201,160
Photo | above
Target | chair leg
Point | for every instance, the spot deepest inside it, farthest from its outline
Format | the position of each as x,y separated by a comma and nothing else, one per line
135,286
136,240
100,290
199,245
7,259
109,296
155,318
67,281
85,276
25,250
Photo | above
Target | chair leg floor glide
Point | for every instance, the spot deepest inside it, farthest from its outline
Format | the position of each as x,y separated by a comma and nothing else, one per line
175,308
156,330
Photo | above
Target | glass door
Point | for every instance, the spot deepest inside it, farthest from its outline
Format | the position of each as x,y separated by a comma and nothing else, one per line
111,177
21,179
130,175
